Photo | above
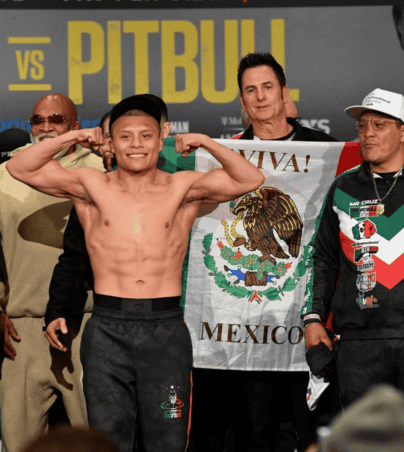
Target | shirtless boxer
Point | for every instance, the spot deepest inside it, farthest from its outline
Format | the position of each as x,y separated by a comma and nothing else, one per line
136,350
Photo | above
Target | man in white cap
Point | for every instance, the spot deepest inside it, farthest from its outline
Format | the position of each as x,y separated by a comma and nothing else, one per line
360,230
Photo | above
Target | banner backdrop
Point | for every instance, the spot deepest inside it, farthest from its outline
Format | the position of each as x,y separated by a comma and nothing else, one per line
246,276
333,57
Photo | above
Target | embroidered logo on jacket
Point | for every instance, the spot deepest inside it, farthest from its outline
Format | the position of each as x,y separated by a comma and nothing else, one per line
388,261
363,257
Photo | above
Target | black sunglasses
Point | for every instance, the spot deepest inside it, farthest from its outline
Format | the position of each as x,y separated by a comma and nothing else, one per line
53,119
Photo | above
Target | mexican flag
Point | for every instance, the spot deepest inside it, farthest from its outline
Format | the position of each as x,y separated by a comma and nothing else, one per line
244,276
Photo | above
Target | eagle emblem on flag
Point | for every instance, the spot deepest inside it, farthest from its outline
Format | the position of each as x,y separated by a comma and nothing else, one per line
248,273
271,210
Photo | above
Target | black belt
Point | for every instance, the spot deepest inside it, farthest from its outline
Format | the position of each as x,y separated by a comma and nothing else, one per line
136,304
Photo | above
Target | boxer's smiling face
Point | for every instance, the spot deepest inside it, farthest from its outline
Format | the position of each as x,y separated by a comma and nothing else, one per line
136,142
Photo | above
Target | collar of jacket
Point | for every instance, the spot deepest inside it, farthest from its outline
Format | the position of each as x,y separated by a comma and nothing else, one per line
365,175
249,135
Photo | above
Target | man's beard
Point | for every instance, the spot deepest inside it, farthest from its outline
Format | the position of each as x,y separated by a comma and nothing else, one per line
35,140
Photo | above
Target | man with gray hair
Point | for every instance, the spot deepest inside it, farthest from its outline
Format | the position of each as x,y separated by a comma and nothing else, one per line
360,230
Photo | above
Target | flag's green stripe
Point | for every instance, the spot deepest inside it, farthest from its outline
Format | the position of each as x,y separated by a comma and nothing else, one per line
175,161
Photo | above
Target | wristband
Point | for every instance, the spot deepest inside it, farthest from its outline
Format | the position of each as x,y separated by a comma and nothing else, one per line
311,317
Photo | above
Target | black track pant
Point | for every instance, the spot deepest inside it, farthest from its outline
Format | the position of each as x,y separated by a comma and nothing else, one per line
138,362
364,363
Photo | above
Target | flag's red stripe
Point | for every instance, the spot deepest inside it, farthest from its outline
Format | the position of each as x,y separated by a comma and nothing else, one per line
350,157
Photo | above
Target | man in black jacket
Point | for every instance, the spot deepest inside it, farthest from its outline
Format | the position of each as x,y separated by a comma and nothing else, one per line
263,397
264,96
359,231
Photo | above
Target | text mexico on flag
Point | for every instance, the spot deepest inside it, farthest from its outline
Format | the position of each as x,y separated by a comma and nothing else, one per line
246,275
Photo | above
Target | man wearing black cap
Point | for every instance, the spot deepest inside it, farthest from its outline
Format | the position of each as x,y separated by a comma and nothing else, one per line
360,230
136,350
73,276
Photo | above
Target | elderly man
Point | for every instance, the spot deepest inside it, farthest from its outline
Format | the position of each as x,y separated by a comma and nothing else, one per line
32,225
360,230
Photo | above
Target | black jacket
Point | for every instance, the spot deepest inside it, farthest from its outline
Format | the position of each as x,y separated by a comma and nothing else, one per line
301,133
367,245
72,275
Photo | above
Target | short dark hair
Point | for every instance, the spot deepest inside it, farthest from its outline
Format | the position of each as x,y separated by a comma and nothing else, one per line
260,59
399,123
104,118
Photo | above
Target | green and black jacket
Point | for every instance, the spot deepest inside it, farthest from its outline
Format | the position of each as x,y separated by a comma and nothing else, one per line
352,234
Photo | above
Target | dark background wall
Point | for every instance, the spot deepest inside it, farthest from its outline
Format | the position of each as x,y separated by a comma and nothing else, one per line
187,51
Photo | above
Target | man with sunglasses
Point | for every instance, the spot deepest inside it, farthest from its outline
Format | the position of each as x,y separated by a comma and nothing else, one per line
360,229
32,226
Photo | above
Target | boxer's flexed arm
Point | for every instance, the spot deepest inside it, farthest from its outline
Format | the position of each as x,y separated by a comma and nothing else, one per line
236,177
35,165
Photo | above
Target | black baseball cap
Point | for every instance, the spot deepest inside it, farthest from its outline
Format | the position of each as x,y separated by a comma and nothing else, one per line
160,102
137,102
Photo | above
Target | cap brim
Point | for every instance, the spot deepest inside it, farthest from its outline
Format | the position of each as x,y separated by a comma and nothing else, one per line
356,110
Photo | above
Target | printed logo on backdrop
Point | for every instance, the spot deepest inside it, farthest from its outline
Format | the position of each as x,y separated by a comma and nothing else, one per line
319,124
253,264
231,125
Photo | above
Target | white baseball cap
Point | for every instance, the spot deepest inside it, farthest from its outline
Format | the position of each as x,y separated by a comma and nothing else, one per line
382,101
